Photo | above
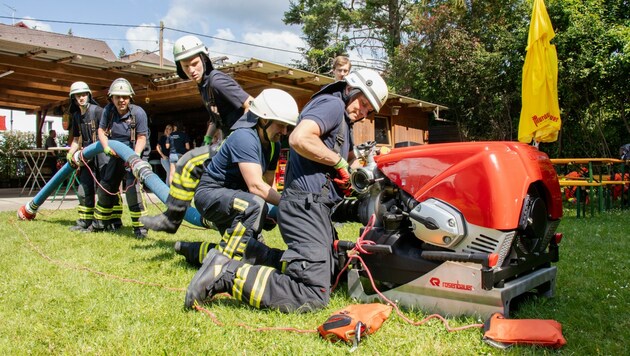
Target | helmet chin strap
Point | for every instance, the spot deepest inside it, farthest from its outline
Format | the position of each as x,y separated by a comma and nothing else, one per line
347,96
203,63
264,128
206,61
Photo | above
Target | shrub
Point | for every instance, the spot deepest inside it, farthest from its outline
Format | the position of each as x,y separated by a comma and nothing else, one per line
12,164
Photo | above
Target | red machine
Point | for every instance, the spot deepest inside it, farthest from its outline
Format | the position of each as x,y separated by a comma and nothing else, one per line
281,168
460,228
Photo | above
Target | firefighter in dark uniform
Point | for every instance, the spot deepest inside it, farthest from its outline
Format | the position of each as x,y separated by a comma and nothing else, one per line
237,183
86,114
317,177
225,101
125,122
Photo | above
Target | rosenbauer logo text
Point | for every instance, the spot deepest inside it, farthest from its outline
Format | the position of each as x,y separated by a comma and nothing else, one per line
437,283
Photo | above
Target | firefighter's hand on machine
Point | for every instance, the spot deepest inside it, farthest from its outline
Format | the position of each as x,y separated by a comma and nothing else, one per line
343,176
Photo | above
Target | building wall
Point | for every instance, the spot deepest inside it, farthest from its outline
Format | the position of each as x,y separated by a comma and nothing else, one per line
386,130
26,122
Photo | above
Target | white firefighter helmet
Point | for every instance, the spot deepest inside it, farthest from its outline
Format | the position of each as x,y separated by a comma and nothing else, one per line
275,104
121,87
79,87
188,46
371,85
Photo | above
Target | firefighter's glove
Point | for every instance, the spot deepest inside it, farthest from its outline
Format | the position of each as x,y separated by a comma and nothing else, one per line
207,140
343,176
71,160
108,151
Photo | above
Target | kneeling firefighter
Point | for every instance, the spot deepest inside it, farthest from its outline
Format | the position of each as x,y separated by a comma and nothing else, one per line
125,122
317,177
237,184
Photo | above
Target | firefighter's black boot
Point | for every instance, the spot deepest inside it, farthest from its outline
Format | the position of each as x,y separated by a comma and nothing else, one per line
215,276
102,216
194,252
99,225
190,250
82,225
169,220
140,232
115,224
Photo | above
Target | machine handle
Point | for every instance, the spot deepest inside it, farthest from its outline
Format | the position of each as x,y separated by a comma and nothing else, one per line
384,249
343,245
485,259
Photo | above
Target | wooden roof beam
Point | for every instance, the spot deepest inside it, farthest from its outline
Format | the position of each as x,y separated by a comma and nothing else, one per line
34,53
266,82
180,85
19,100
120,68
415,105
280,73
69,59
61,69
246,66
305,80
30,94
12,105
16,82
155,95
34,76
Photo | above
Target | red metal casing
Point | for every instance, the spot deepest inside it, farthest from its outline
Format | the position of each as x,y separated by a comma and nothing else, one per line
486,181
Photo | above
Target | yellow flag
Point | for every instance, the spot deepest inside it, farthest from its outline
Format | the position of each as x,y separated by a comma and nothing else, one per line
540,112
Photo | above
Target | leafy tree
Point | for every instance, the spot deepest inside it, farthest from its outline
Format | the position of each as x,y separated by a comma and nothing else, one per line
122,52
593,42
321,22
333,27
467,57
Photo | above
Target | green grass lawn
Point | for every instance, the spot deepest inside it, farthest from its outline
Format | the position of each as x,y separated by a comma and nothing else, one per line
74,293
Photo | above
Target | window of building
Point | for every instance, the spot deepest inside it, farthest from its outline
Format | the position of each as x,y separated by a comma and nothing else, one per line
382,133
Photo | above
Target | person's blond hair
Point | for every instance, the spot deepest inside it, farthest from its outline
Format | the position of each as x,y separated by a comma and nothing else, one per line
341,60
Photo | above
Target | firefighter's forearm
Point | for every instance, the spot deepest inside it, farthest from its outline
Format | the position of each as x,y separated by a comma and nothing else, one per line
74,145
103,138
141,142
212,129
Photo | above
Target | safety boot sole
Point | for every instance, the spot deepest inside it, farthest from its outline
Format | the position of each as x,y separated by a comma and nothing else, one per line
201,286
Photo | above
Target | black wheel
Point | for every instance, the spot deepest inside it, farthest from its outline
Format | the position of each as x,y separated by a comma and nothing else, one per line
533,227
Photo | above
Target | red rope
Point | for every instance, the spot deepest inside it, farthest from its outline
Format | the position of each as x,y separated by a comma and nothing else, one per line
216,320
88,269
85,164
354,254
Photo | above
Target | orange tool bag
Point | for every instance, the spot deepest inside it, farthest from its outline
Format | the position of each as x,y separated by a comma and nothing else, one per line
501,332
353,322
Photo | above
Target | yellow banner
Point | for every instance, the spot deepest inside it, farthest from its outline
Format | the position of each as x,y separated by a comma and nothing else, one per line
540,111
